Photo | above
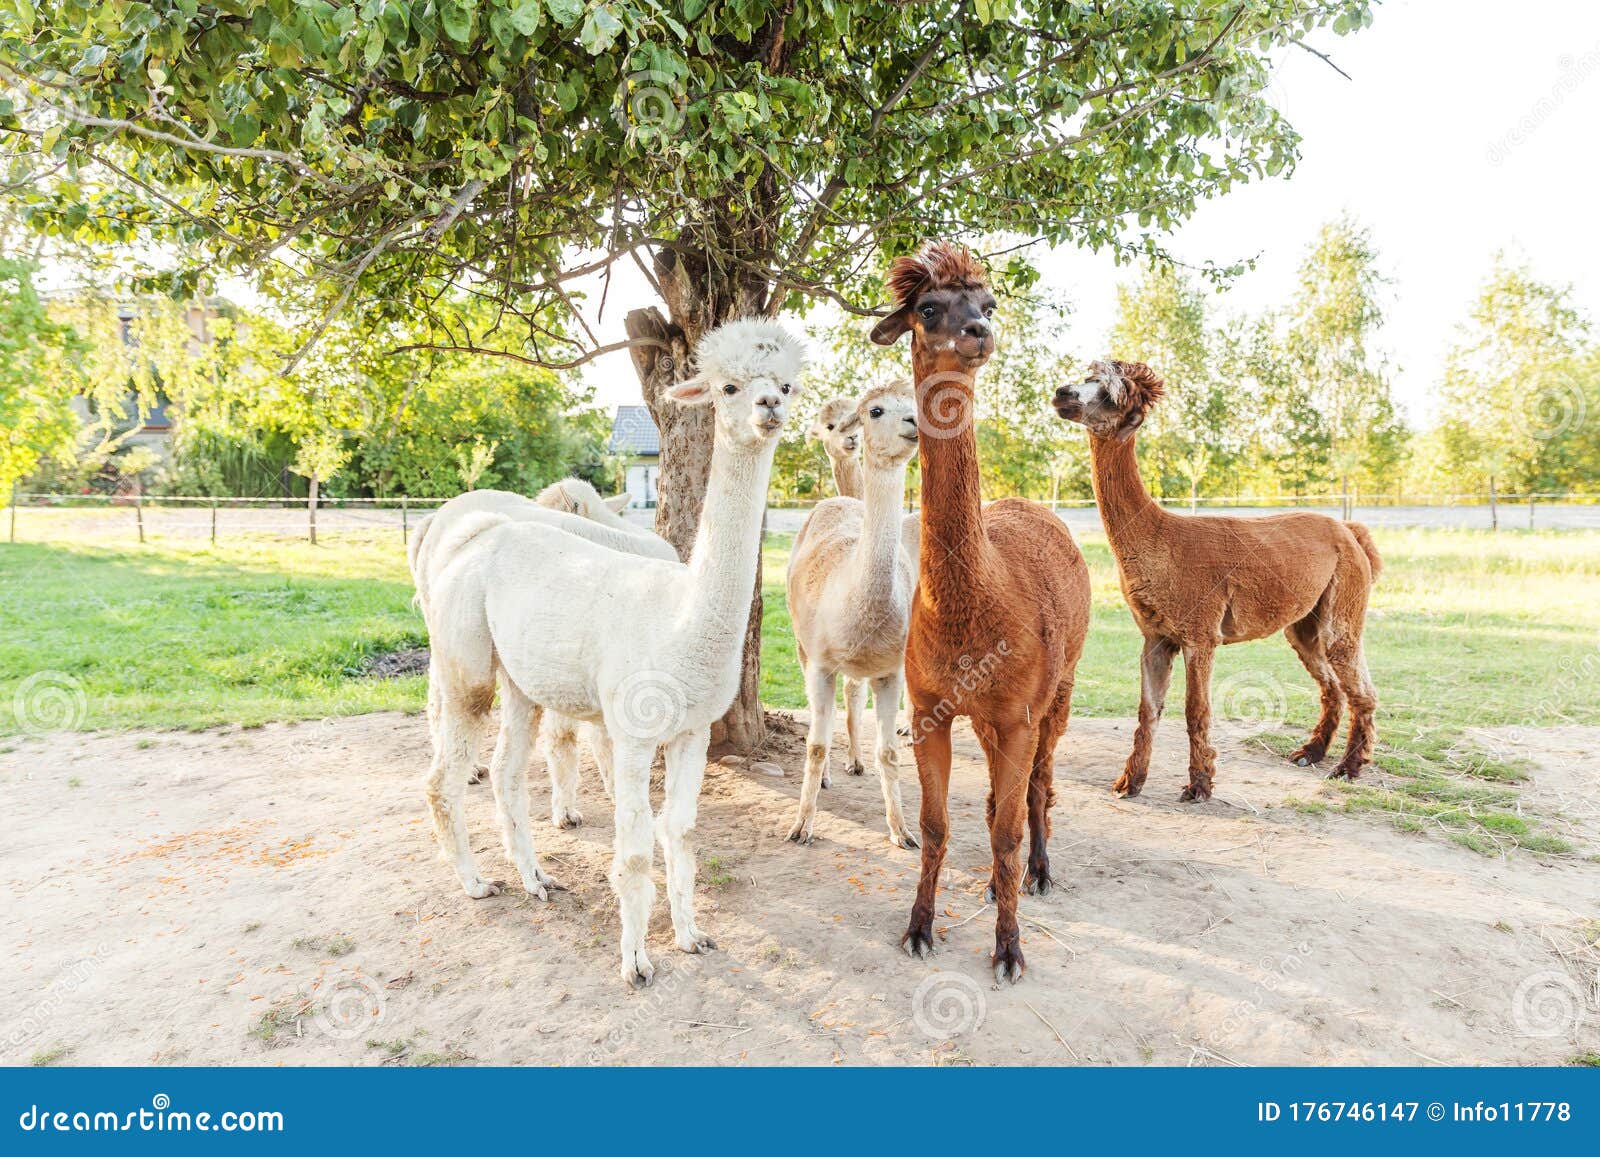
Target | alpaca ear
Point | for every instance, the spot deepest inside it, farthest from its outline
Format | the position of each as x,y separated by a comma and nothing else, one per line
695,391
1130,425
617,503
892,328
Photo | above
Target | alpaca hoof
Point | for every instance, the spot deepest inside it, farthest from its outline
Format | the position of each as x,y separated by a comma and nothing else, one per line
918,942
696,941
988,893
1038,885
826,780
1307,754
1195,793
1343,772
903,840
567,818
478,773
903,731
480,889
1302,762
855,767
637,971
1008,964
803,832
1125,788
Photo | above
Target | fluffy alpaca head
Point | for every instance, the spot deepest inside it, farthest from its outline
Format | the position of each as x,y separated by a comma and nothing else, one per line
886,418
941,298
748,371
1113,400
833,427
575,496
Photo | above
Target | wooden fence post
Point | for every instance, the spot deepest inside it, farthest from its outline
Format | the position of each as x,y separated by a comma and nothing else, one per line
13,512
405,526
138,513
213,522
1531,497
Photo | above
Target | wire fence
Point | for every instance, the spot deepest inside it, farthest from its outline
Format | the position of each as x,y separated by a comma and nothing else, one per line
46,517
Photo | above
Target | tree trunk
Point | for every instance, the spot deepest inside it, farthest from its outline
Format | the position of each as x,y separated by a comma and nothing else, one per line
686,439
311,508
1494,506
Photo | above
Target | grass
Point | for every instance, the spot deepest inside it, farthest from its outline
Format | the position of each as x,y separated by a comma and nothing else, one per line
1469,630
44,1058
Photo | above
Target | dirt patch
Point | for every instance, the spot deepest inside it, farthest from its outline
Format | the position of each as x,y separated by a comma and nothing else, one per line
272,896
393,664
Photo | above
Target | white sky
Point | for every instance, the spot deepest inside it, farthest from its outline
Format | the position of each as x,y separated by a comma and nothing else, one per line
1468,127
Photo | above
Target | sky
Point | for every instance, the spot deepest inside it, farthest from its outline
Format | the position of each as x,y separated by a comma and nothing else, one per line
1466,128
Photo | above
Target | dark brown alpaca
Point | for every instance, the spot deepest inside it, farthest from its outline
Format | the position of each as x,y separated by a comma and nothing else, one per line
1001,608
1195,583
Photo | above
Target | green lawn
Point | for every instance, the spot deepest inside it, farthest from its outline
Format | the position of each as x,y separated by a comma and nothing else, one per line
1468,629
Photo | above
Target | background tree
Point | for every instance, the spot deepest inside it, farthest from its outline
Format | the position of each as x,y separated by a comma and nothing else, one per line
740,154
1519,384
36,417
1332,323
1162,320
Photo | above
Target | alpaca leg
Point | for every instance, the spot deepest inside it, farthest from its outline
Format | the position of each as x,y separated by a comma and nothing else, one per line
1010,756
931,742
508,774
1197,713
631,858
462,713
1042,792
1350,665
686,768
560,735
819,692
600,747
855,717
886,706
1306,639
1155,673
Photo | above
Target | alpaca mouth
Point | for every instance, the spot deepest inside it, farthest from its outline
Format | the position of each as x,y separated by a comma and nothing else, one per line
912,438
974,350
770,425
1069,408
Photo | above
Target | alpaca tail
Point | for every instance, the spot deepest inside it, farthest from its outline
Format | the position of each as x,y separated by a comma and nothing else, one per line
414,560
423,551
1364,539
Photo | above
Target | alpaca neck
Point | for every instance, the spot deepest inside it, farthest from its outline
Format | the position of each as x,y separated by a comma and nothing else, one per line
1126,508
722,562
877,551
954,548
846,475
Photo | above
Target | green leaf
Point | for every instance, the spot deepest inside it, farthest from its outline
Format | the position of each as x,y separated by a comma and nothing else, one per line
692,9
243,130
566,12
527,16
457,22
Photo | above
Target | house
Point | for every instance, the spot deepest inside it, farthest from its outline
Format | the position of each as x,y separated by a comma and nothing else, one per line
634,436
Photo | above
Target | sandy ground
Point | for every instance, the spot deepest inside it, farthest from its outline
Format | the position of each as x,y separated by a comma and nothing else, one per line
272,896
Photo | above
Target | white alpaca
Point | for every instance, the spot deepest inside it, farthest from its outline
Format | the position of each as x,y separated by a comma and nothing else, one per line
574,506
835,427
850,586
650,648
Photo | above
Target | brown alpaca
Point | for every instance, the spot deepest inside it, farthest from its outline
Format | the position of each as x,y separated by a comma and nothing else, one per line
1001,607
1195,583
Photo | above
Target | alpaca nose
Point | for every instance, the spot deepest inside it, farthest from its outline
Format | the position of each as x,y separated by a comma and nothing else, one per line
977,327
770,400
1063,394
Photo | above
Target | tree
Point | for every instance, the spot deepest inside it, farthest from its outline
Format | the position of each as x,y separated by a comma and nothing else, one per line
745,155
36,418
319,457
1161,320
1518,384
1333,321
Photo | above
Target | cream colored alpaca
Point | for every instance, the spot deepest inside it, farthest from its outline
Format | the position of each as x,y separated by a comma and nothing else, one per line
850,586
650,648
576,507
840,434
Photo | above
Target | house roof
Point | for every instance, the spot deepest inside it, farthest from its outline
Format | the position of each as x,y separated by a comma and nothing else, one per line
633,431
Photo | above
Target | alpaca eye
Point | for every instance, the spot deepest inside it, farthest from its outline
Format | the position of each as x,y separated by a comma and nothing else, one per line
988,311
875,412
830,425
785,388
730,389
927,312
